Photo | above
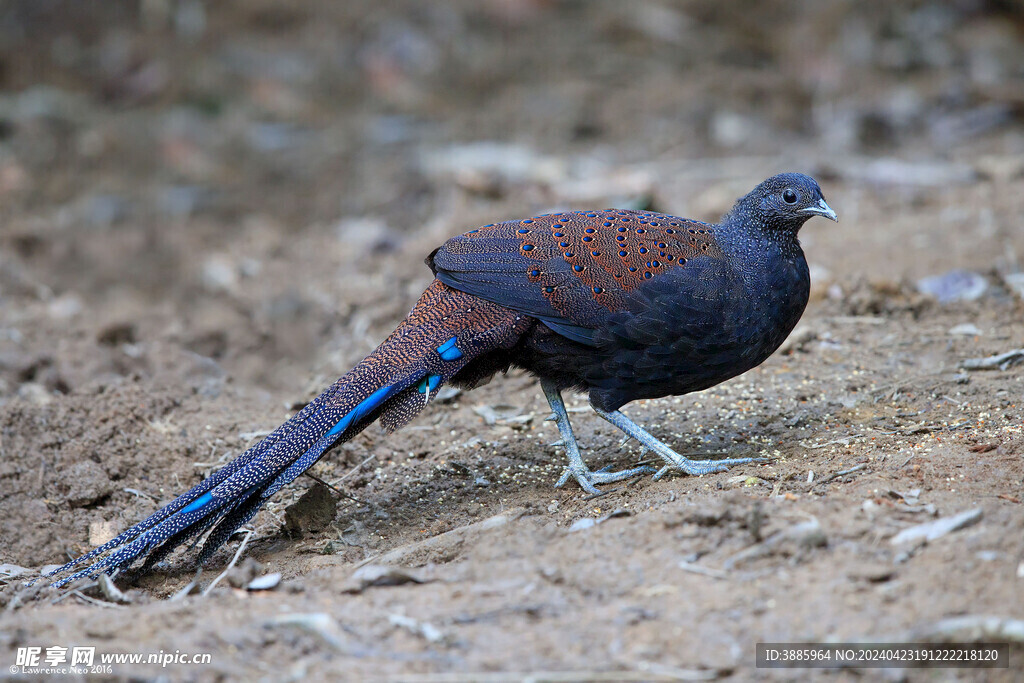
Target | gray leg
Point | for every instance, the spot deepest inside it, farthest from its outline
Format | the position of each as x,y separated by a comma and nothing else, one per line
632,429
577,469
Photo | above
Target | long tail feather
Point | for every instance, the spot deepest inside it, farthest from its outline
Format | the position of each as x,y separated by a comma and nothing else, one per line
445,331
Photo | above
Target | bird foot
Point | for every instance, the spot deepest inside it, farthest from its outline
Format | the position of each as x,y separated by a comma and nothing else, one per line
588,480
698,467
672,459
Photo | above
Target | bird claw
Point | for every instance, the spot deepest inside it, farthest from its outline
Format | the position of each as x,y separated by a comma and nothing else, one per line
588,480
672,459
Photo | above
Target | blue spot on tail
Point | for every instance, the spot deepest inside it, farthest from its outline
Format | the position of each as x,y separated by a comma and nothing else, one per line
197,503
360,411
365,407
449,351
429,383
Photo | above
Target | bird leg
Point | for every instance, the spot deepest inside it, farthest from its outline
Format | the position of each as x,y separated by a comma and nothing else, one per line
632,429
577,469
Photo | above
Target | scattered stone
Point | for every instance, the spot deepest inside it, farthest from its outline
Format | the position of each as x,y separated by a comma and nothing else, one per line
264,583
101,531
218,274
86,483
34,393
447,394
1000,168
911,497
970,628
312,512
1015,283
965,330
244,573
10,571
1000,361
64,307
582,523
424,629
931,531
379,575
872,572
116,334
799,339
956,285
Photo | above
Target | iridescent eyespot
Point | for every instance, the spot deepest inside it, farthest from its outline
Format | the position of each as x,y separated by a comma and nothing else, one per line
534,273
527,247
523,231
597,290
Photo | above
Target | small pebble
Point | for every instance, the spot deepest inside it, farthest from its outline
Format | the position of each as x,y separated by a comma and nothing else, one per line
965,330
265,582
930,531
956,285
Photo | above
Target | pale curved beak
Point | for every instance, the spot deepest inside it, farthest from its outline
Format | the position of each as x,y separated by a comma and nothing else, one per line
822,209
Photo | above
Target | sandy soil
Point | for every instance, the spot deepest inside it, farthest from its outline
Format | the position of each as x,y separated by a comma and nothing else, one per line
208,215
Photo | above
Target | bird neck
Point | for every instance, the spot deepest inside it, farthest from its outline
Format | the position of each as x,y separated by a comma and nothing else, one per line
747,232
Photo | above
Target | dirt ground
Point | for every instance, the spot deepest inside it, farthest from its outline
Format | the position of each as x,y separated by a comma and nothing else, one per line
209,211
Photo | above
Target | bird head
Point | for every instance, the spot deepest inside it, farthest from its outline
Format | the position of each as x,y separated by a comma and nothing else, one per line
785,202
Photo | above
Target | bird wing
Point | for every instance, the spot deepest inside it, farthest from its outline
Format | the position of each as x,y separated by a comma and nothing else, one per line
571,270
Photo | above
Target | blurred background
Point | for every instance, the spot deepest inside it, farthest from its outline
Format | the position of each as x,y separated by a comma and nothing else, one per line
241,178
210,210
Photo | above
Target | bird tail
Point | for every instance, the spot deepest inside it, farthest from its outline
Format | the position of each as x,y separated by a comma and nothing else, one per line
446,330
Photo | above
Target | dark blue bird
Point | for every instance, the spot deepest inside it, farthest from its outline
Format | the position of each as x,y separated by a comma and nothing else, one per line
622,305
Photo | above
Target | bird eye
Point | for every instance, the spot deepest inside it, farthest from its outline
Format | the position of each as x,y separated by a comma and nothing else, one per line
789,196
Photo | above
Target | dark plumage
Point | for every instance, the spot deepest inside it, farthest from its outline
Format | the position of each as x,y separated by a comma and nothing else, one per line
622,305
